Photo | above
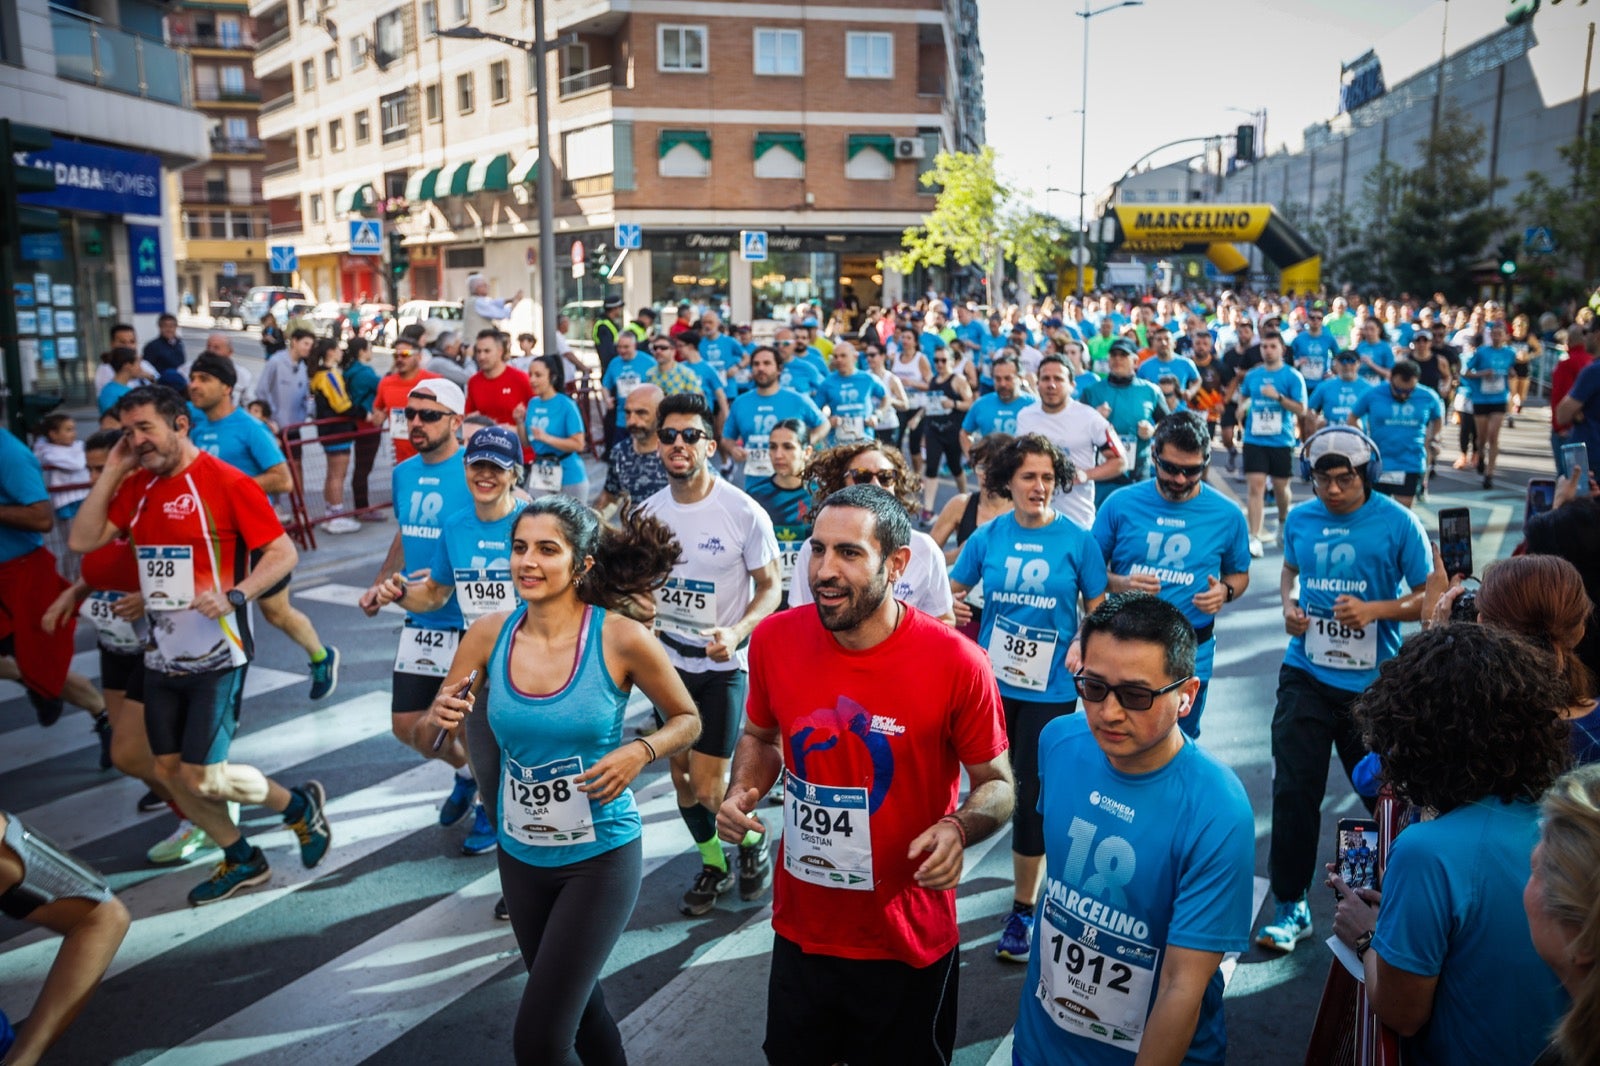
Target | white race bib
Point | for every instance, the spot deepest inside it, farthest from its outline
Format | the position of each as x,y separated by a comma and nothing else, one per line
1022,657
1095,985
827,835
1337,646
851,428
757,461
115,634
685,606
166,577
1492,383
481,592
1266,421
541,806
544,477
1392,477
938,403
397,424
426,651
626,383
790,540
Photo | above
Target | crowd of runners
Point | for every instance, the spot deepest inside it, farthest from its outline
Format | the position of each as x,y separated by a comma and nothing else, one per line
852,685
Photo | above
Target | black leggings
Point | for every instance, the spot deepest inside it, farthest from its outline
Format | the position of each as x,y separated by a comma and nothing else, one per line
905,416
566,920
1025,720
942,438
1469,433
366,449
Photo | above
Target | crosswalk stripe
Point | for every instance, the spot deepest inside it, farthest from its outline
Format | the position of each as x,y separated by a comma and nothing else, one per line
342,596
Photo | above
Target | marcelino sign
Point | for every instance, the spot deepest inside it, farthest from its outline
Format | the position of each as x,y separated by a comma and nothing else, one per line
91,177
1153,229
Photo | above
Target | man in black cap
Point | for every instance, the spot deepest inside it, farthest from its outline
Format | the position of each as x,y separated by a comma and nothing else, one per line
606,329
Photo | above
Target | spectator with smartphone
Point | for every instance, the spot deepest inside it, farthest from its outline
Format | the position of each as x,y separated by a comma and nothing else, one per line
1572,531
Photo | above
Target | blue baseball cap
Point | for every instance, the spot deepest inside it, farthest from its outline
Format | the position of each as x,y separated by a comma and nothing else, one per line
497,445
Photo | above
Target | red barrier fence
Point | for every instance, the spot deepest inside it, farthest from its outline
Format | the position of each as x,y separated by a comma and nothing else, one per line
370,459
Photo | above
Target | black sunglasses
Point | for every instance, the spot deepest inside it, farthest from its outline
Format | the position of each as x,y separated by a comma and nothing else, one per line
1176,470
886,478
690,435
661,347
429,417
1131,697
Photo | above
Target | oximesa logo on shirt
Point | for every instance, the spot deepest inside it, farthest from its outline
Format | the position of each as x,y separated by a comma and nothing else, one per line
180,507
713,545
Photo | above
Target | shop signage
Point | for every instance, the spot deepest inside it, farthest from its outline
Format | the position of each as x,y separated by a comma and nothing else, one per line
712,241
90,177
144,253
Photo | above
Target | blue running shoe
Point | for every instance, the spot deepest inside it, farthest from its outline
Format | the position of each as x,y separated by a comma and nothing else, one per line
1290,924
482,838
312,829
325,675
1017,939
230,877
459,804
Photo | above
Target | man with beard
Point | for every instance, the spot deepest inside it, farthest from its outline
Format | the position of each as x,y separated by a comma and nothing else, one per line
871,709
634,469
752,416
725,582
1178,538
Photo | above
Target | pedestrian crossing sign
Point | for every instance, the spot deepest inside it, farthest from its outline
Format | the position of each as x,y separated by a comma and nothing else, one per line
1539,240
366,236
753,245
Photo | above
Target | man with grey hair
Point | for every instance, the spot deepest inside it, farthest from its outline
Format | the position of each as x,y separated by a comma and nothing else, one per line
480,311
219,344
446,360
634,469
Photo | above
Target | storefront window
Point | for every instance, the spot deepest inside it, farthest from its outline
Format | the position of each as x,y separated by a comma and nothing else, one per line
789,278
697,278
57,315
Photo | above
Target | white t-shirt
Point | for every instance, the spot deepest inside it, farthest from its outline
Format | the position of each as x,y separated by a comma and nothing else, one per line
1081,432
1028,359
925,585
103,375
724,537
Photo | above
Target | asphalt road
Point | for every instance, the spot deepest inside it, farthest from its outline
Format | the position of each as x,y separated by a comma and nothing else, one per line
387,952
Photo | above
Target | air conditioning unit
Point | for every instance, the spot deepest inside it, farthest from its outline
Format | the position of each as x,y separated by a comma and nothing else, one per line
909,148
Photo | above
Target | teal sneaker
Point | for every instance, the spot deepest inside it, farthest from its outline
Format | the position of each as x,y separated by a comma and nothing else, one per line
312,829
1290,924
230,877
325,675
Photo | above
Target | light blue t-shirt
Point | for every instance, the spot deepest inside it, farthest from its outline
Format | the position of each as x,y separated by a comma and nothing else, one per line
241,440
710,378
972,332
1496,387
1400,430
723,354
990,414
1381,354
1032,579
622,377
1452,909
1135,865
1179,367
21,484
1138,401
1313,356
801,376
1333,398
855,396
752,416
558,416
1140,531
470,544
425,495
1373,553
1268,423
110,393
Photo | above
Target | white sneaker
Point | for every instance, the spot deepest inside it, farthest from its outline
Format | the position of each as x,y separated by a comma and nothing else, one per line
1256,548
342,524
184,841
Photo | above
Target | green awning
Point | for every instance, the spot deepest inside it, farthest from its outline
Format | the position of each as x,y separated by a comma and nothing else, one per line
421,183
699,140
792,141
489,174
527,168
882,143
453,181
353,198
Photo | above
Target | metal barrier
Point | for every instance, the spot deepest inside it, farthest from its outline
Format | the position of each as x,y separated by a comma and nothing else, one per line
308,466
590,398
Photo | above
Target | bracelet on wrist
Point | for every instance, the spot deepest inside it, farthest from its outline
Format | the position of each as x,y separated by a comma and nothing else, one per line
1231,593
651,748
960,828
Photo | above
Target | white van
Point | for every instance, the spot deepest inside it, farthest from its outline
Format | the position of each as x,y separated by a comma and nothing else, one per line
259,300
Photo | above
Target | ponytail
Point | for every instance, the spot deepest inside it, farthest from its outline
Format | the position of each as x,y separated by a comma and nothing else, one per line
637,557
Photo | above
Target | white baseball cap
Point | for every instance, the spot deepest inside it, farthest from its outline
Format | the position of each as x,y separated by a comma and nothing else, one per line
1343,441
441,390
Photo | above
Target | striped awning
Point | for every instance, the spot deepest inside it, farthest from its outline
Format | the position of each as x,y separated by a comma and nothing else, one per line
527,168
489,174
354,198
420,185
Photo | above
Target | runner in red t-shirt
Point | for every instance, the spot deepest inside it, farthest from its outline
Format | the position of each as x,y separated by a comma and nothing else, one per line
393,388
872,709
193,520
497,389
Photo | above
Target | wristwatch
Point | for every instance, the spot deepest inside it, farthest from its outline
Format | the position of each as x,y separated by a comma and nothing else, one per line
1363,942
237,599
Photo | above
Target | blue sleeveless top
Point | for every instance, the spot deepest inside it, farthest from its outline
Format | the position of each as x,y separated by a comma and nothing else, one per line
545,742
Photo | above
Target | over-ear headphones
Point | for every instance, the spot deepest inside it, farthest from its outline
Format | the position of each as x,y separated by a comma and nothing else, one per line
1374,463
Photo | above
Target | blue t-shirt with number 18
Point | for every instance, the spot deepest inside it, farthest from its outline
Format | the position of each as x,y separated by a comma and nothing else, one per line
425,496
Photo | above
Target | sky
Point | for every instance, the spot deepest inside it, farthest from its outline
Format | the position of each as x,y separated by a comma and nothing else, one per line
1166,70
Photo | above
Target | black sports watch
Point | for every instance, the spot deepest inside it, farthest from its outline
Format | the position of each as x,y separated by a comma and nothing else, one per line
237,599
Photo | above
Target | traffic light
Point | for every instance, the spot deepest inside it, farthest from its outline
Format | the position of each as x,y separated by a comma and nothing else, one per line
600,261
1508,267
399,255
1244,144
17,180
1520,11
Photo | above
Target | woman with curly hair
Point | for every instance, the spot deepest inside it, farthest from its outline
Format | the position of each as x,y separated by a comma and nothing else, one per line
1562,902
1449,963
925,585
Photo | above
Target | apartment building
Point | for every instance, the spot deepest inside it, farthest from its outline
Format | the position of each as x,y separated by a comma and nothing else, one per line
692,120
221,239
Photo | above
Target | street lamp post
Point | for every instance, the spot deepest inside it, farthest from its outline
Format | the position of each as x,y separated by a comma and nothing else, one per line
544,187
1083,131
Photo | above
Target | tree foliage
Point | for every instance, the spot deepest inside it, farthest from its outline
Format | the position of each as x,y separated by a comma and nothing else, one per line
1567,203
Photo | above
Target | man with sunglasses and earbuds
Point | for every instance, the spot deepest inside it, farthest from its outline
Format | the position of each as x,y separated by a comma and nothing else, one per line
726,580
1178,538
1149,857
1352,553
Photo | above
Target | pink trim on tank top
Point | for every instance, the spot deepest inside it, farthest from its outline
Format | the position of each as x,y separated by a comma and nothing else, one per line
577,660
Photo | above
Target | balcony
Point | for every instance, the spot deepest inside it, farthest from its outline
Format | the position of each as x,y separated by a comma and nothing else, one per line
210,94
272,40
222,145
289,226
217,196
90,52
282,166
278,103
585,81
233,38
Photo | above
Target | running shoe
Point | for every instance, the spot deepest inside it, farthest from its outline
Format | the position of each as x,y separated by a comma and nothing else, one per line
102,729
151,802
755,869
312,829
1233,460
1016,940
47,709
709,883
1291,923
342,524
230,877
481,838
1257,549
325,675
1488,481
460,802
502,913
1480,464
183,842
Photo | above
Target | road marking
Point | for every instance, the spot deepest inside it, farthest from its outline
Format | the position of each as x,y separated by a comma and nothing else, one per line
342,596
1230,961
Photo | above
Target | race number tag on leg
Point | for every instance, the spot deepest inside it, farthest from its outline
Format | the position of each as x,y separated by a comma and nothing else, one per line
1331,643
685,606
541,805
166,577
1094,984
1266,421
481,592
544,477
115,634
757,461
1022,656
827,835
426,651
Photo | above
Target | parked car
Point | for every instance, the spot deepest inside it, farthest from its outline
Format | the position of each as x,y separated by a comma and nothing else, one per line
436,316
259,300
326,316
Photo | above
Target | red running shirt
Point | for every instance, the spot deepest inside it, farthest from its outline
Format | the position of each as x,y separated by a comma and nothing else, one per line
898,720
499,397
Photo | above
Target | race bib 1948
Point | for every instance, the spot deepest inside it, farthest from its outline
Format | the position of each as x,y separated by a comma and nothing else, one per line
481,592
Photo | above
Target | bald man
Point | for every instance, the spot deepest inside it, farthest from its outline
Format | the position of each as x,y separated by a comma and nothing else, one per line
244,388
635,469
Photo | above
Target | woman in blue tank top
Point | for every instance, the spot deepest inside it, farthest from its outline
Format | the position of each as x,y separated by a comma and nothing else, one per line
559,668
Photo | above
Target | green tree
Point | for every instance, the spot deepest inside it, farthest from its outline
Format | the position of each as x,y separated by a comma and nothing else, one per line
1571,212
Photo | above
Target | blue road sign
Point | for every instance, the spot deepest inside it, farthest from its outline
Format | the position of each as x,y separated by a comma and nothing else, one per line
629,236
366,236
1539,239
282,259
753,245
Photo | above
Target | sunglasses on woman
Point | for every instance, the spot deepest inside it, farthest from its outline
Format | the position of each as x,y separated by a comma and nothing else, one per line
885,478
